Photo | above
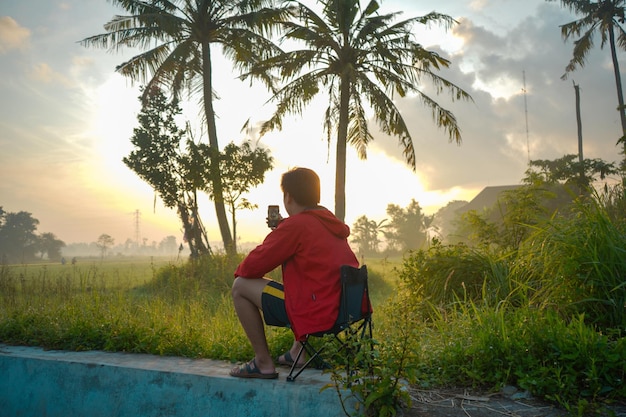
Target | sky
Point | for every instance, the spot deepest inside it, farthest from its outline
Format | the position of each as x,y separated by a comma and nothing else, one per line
66,119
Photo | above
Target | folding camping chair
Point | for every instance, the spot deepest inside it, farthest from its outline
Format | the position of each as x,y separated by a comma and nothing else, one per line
355,313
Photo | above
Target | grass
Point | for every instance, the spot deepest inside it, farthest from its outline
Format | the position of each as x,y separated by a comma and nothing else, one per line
548,318
140,305
118,306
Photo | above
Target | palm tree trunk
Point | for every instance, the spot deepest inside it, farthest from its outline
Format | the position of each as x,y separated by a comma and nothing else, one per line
618,82
234,222
342,135
216,176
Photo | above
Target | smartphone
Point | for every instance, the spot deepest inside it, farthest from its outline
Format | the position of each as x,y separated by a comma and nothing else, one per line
273,216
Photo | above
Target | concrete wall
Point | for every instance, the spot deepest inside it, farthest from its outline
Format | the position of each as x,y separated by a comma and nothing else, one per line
38,383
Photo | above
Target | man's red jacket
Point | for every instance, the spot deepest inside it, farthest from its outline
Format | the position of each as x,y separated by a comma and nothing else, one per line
311,246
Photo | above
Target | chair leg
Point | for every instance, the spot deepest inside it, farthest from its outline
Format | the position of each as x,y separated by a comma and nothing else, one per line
314,355
291,377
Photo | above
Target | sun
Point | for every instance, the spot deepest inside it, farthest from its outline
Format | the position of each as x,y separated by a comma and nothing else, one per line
114,188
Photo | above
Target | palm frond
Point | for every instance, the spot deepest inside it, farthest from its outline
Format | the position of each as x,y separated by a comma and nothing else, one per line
582,46
443,118
577,6
141,67
292,99
331,115
621,37
600,16
263,21
359,134
320,38
389,118
246,48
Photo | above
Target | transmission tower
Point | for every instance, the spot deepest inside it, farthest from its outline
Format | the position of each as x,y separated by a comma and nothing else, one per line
137,215
526,116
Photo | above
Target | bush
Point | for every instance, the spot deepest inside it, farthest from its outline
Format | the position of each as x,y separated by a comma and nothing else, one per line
548,318
444,275
210,274
578,266
487,348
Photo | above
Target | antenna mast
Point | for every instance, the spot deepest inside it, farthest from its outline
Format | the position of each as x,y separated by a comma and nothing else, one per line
526,115
137,216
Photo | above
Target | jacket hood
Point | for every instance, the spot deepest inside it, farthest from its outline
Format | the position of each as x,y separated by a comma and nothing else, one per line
330,221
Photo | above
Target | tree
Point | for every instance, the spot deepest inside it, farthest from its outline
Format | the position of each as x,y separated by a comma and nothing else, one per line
48,244
176,37
168,245
446,218
103,243
18,240
406,229
605,17
159,159
359,58
365,234
550,187
241,168
569,171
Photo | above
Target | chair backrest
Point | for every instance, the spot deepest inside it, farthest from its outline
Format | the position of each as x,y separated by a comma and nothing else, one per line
355,303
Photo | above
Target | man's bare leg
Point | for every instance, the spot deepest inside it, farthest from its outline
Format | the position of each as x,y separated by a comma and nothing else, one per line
293,352
247,300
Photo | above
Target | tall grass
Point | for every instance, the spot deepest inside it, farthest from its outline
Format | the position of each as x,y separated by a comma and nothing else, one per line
182,310
176,309
579,266
548,318
443,276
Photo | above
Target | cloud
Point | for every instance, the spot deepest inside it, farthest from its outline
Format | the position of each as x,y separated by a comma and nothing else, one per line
478,4
12,35
43,73
479,37
496,144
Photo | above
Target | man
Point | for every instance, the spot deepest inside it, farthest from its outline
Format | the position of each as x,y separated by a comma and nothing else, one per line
311,245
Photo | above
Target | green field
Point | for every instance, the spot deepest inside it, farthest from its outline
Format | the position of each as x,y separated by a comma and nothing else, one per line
136,305
462,338
116,271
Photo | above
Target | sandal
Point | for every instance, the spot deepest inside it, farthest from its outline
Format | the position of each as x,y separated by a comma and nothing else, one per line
287,360
250,370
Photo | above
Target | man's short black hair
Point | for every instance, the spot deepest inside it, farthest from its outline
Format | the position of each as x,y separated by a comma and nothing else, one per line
303,185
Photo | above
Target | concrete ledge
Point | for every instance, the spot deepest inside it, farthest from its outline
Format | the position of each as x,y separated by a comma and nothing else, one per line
35,382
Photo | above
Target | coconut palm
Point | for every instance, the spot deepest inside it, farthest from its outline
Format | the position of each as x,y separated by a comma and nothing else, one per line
175,37
605,17
359,58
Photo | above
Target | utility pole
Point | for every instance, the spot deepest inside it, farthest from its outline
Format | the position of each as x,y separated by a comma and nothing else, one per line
579,123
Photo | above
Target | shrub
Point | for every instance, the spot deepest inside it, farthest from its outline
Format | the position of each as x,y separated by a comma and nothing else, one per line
443,275
578,265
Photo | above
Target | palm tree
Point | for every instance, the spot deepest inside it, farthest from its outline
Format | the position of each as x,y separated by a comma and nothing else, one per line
359,58
365,233
605,17
176,38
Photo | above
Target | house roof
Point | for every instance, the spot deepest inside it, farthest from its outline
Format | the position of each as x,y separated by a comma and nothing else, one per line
487,198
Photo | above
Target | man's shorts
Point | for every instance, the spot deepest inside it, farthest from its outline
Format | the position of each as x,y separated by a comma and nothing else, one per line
273,305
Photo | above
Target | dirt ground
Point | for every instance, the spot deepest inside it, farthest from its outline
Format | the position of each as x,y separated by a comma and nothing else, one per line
509,402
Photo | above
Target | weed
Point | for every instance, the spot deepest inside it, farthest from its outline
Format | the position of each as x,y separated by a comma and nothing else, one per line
376,374
548,318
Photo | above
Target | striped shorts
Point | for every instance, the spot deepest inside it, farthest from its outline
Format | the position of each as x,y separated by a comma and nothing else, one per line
273,305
